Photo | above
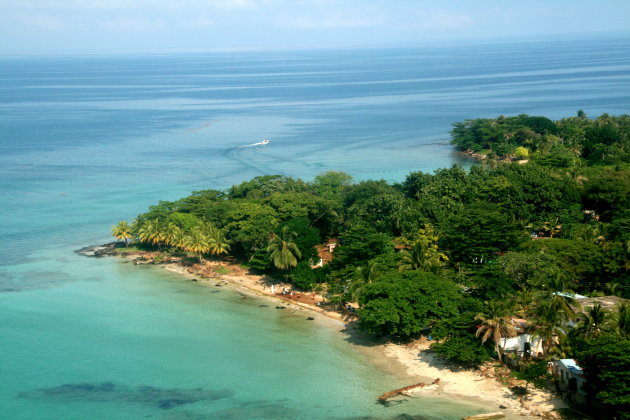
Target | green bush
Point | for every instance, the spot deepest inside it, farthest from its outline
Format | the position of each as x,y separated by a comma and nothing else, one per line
304,277
464,351
260,261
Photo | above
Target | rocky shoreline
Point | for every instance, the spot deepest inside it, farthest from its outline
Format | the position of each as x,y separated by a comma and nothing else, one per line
481,157
109,249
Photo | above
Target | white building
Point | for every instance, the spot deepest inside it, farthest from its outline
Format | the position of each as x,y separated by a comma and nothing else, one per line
521,344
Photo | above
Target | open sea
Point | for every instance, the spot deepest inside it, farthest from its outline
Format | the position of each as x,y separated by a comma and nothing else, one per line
86,141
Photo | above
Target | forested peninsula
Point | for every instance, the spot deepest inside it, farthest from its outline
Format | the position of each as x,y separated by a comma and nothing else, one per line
525,241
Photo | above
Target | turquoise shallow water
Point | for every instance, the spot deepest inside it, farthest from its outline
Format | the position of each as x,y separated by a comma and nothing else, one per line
122,341
87,141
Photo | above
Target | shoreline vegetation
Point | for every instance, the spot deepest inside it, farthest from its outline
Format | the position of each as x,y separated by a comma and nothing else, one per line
487,387
520,262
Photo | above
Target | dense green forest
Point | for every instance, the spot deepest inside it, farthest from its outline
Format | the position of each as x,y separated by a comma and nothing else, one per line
454,254
563,144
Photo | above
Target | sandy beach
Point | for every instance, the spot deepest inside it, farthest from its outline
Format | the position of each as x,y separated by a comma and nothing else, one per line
481,384
416,360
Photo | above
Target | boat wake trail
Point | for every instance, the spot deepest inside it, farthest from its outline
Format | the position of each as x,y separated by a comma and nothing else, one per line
247,157
260,143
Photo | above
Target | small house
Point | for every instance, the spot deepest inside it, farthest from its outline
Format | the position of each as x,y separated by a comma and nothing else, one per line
523,345
570,380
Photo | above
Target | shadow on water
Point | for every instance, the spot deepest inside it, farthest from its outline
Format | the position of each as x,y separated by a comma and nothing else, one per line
163,398
166,399
354,335
35,279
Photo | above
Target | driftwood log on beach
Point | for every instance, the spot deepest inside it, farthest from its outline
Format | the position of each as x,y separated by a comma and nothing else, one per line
487,416
401,391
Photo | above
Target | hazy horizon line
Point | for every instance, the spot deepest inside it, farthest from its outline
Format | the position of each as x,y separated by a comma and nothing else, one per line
429,43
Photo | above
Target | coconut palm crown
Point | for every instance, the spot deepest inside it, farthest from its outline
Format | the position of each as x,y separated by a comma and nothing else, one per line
496,323
283,250
593,322
122,231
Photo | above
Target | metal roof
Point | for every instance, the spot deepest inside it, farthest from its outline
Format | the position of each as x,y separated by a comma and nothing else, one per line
571,365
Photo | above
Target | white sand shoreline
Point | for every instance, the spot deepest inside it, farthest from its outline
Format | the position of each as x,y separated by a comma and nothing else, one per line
414,360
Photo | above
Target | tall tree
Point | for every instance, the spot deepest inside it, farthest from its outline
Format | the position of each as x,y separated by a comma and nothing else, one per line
548,323
150,231
606,365
424,254
496,323
621,320
359,243
562,347
593,322
173,235
283,250
365,275
219,245
479,233
122,231
560,297
197,243
404,304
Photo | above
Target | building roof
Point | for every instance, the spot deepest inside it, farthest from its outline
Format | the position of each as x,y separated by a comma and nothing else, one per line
571,365
570,295
607,302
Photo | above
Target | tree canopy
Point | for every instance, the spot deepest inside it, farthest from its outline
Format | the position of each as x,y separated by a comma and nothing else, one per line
455,254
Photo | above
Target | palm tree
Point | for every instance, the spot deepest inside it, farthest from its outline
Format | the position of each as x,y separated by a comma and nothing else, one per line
496,323
366,275
621,320
525,301
148,230
560,297
173,235
197,243
209,229
413,260
548,322
159,237
122,231
152,231
562,347
424,253
219,245
593,322
178,239
284,252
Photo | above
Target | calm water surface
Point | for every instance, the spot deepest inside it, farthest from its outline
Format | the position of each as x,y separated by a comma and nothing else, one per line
88,141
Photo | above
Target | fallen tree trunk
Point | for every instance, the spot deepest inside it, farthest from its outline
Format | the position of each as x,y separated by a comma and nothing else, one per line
487,416
401,391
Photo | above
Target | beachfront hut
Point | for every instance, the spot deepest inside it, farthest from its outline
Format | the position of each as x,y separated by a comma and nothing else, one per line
569,379
523,345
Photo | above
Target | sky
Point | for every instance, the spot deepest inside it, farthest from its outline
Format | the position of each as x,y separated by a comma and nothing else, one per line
66,26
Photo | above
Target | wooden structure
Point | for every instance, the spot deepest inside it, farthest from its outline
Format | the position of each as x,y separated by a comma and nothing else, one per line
487,416
401,391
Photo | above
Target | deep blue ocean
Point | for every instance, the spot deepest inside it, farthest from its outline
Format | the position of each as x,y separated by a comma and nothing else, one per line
86,141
